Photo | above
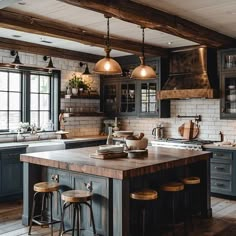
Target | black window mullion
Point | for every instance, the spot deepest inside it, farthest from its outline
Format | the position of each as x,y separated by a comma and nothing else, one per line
8,99
26,105
39,94
51,101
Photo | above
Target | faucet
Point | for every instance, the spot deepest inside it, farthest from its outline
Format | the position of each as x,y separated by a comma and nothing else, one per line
221,136
20,137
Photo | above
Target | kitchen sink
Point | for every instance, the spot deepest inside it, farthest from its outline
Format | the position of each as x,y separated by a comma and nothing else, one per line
44,145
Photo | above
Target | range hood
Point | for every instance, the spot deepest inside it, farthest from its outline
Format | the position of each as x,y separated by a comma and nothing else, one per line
192,74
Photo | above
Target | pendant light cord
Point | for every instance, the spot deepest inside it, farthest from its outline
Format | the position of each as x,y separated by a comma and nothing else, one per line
143,42
108,33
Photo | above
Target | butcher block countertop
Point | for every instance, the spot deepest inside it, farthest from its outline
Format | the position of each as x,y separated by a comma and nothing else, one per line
121,168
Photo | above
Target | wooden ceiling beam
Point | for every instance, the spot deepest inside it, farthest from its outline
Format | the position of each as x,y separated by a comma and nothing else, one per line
156,19
40,25
22,46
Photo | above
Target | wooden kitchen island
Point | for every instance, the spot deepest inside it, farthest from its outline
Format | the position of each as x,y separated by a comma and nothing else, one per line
113,180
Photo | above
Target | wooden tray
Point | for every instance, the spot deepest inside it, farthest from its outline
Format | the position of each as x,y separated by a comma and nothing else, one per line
189,130
108,155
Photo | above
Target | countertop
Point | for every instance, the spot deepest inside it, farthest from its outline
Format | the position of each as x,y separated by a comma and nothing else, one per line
84,138
50,141
121,168
222,147
4,146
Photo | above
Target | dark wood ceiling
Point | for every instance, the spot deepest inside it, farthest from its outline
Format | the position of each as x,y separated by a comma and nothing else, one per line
125,10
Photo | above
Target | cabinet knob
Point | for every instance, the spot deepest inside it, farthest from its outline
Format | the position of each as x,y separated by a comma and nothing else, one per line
89,186
218,154
219,168
219,185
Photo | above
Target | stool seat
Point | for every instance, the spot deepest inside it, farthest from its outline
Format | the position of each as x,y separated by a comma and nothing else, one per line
172,187
191,180
45,187
145,194
76,196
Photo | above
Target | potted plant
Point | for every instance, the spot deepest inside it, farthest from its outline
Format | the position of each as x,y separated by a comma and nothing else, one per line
77,84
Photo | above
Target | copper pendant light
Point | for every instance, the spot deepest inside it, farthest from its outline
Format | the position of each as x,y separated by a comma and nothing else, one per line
107,65
143,72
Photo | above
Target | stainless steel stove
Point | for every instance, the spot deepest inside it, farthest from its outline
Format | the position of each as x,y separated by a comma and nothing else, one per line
195,144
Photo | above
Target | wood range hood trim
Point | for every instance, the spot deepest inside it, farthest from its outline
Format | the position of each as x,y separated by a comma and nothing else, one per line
187,93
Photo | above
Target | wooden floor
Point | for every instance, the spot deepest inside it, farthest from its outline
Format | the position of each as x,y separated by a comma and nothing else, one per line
223,222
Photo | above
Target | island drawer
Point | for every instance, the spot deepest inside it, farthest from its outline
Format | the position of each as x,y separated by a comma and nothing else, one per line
221,185
221,168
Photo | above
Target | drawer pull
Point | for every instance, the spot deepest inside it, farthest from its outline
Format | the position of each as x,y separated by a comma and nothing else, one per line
219,185
219,168
13,154
218,154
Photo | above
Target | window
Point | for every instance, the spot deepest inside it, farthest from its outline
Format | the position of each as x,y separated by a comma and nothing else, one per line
10,100
27,96
39,99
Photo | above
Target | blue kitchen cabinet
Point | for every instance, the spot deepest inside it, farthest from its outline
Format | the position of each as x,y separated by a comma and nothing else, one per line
223,171
100,203
11,182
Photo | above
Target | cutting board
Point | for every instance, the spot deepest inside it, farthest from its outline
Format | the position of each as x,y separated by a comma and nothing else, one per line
105,156
189,130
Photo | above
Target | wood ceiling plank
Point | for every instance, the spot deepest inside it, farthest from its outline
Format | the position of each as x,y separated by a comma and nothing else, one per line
155,19
40,25
47,51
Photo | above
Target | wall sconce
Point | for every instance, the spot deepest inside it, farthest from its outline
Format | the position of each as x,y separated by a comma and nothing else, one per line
86,71
50,66
16,61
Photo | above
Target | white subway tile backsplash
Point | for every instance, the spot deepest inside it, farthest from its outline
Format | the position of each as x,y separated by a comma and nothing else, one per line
210,126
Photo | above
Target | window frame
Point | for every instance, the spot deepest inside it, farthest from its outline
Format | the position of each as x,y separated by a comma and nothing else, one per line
54,95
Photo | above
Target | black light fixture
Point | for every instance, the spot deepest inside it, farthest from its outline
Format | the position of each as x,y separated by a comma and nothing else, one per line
86,71
107,65
143,72
16,61
50,66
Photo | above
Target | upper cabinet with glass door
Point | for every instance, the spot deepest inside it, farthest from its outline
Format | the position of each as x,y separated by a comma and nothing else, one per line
228,60
227,66
128,98
150,105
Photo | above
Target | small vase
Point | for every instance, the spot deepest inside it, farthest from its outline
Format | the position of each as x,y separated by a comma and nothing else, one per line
74,91
68,91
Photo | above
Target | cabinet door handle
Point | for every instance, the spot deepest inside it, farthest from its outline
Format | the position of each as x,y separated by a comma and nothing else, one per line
13,154
219,185
219,168
218,154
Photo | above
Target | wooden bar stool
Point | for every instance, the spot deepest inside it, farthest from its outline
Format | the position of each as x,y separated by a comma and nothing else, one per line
76,198
45,189
144,195
173,188
192,185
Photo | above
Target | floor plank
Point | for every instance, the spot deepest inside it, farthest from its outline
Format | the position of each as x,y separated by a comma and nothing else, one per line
223,222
